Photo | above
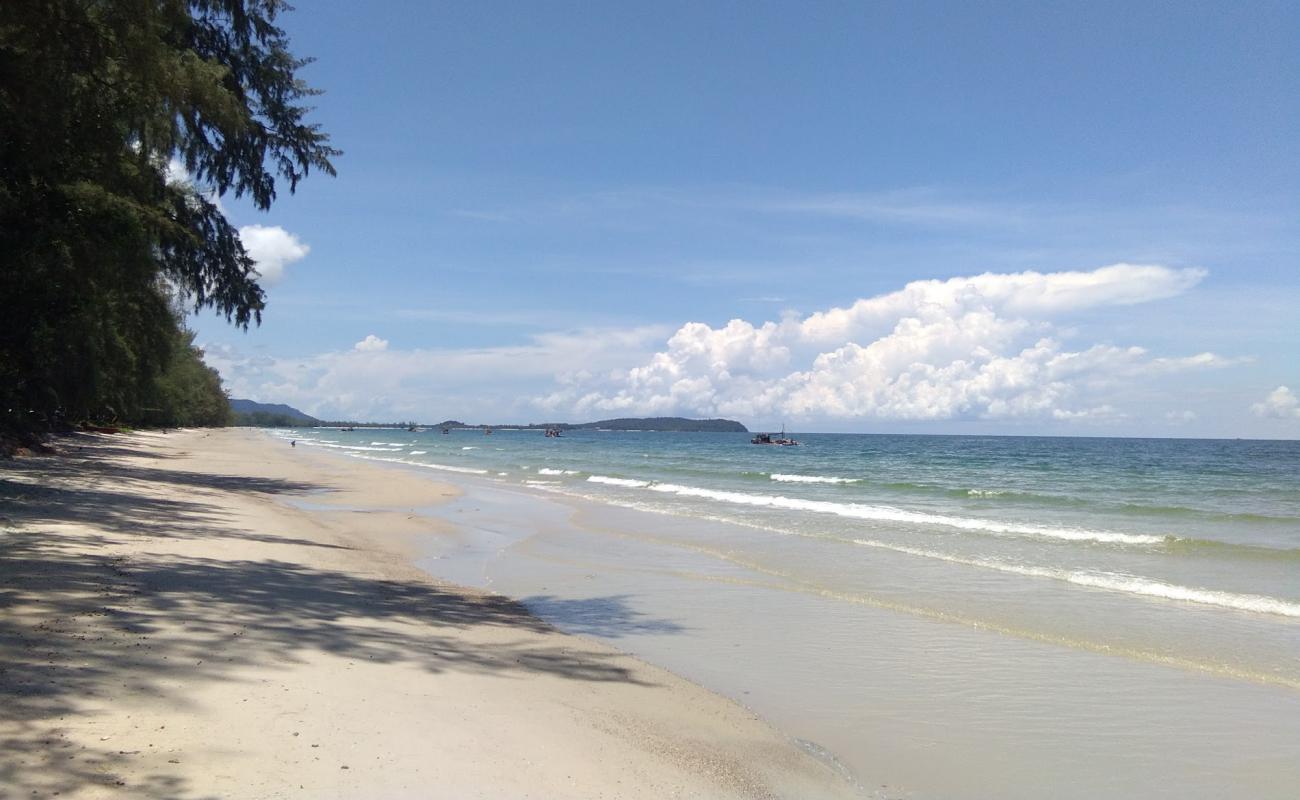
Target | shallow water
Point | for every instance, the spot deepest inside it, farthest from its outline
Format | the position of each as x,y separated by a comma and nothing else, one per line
951,616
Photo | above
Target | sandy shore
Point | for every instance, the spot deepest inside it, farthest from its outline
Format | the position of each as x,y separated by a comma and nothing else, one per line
172,625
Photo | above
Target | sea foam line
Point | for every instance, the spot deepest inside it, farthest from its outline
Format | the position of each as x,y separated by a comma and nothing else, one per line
1130,584
811,479
426,465
315,443
886,513
631,484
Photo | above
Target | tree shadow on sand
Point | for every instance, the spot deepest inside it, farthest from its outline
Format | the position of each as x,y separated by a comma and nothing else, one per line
76,626
608,617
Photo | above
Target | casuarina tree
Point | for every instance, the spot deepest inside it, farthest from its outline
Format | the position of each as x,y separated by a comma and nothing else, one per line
121,124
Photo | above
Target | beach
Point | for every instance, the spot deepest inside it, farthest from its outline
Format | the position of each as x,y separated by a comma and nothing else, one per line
944,616
215,613
388,613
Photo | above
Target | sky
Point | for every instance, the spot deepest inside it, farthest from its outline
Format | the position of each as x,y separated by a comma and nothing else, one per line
976,217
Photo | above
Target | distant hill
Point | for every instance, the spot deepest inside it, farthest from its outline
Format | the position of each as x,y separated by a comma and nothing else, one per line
269,415
664,424
675,424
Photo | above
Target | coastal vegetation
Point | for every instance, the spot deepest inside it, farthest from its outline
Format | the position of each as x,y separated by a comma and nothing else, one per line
122,124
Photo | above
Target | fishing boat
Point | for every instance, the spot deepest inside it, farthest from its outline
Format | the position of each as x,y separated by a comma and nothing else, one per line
778,439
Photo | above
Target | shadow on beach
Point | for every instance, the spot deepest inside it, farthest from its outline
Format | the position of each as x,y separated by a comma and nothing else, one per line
77,623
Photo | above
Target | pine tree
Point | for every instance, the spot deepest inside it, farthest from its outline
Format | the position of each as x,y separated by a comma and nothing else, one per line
99,99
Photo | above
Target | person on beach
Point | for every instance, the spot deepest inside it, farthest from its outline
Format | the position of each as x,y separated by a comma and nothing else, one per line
293,442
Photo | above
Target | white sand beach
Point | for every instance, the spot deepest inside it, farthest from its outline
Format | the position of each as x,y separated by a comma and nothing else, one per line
173,626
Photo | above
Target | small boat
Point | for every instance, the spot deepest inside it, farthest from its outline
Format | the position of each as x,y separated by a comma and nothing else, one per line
779,439
446,431
552,433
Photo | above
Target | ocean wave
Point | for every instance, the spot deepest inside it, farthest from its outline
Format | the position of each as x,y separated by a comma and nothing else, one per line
469,447
1116,582
889,514
549,471
315,443
419,452
618,481
425,465
811,479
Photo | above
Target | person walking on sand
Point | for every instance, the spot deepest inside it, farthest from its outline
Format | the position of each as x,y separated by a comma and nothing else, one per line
293,442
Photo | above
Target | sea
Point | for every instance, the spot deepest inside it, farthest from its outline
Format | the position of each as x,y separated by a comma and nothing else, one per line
937,616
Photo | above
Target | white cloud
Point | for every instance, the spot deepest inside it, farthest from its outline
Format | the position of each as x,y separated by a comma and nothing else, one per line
273,248
987,347
1281,403
491,384
974,347
371,344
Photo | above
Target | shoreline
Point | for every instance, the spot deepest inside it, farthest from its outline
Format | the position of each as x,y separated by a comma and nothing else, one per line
854,648
174,628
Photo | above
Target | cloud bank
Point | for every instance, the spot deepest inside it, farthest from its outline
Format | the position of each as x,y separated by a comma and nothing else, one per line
981,347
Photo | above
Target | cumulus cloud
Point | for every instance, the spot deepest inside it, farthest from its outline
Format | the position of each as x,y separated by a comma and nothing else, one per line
371,344
1281,403
985,346
273,248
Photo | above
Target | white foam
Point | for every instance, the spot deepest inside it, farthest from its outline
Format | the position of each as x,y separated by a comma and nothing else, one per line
323,443
549,471
442,467
811,479
889,514
447,468
470,447
419,452
618,481
1113,581
986,492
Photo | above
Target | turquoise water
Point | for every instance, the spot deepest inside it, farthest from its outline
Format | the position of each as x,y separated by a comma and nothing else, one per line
1032,607
1213,523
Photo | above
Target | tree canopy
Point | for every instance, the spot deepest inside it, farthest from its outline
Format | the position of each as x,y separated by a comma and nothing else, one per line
121,124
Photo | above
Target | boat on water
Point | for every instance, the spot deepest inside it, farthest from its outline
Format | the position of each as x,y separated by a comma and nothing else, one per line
777,439
552,433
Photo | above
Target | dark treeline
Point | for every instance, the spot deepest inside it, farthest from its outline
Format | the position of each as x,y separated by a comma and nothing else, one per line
121,123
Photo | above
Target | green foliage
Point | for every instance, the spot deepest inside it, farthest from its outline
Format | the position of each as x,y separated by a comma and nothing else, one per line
96,98
188,392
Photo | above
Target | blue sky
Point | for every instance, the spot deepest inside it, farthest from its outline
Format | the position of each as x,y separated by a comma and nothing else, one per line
554,211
